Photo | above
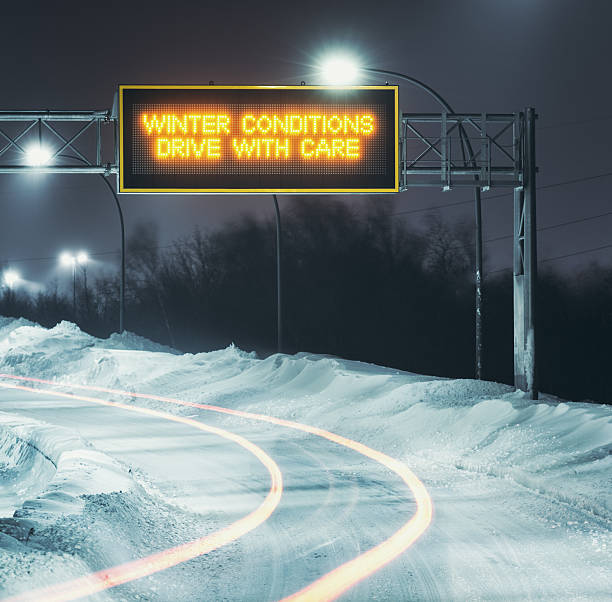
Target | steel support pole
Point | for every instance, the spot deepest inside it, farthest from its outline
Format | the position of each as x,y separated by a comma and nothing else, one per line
477,208
478,284
518,289
526,266
279,298
531,252
86,294
74,288
122,279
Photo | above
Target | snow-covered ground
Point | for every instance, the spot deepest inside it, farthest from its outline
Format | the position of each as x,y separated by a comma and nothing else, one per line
522,491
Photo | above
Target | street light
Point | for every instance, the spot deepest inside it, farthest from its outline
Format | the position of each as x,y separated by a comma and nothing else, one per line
279,294
347,70
71,260
67,260
10,278
340,70
82,259
37,155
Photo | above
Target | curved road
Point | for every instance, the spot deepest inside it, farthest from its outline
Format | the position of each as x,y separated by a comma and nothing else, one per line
344,511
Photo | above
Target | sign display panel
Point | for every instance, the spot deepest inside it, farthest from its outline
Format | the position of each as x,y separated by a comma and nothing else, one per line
258,139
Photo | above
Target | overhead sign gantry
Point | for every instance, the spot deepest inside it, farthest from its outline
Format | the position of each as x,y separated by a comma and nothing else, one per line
295,139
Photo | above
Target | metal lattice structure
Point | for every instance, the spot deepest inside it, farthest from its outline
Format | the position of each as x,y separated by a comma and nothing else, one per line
447,150
485,151
76,141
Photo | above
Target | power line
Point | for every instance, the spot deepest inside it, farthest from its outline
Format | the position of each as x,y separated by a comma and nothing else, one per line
497,196
574,221
54,257
431,208
560,257
544,187
97,254
576,253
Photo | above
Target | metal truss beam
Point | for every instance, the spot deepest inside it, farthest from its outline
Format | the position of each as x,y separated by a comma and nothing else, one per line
435,144
69,151
54,115
73,169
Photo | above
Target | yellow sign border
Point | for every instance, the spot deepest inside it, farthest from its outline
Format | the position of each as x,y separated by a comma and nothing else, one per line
122,189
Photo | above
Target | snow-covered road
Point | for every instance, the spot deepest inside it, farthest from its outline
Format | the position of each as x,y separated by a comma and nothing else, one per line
522,491
333,508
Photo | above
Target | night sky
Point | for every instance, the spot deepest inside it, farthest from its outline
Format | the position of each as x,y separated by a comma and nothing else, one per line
481,55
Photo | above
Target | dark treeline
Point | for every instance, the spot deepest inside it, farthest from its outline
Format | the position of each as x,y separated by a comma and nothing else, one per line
358,285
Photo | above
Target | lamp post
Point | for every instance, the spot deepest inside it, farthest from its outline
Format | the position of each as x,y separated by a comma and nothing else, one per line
279,298
343,70
69,260
82,259
122,277
10,278
38,155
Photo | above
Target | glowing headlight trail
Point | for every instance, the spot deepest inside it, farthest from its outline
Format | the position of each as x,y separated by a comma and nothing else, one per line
136,569
334,583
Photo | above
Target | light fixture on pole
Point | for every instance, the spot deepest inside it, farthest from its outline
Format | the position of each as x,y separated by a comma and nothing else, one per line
70,260
346,71
82,259
11,278
340,70
37,155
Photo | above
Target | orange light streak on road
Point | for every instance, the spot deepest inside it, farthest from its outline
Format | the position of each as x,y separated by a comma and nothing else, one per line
336,582
136,569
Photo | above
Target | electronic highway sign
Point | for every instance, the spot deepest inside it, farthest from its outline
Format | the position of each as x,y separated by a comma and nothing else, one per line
258,139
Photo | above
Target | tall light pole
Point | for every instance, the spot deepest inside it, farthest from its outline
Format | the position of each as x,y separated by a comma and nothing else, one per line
10,278
82,259
122,276
279,298
38,155
71,260
343,70
68,260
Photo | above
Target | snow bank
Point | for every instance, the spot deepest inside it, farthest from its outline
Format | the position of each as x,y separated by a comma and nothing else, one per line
468,437
562,449
24,468
48,471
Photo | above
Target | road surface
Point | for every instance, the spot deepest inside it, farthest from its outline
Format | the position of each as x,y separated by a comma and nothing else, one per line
336,505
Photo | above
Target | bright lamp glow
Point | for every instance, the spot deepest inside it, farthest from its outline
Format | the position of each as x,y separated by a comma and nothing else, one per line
82,257
340,70
37,155
11,277
67,259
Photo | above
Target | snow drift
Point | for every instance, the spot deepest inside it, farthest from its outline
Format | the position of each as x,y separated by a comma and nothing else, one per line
453,433
472,425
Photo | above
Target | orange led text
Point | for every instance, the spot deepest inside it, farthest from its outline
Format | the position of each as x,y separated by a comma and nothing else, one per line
258,136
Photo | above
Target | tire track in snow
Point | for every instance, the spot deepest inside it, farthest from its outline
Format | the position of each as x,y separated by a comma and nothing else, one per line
136,569
332,584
